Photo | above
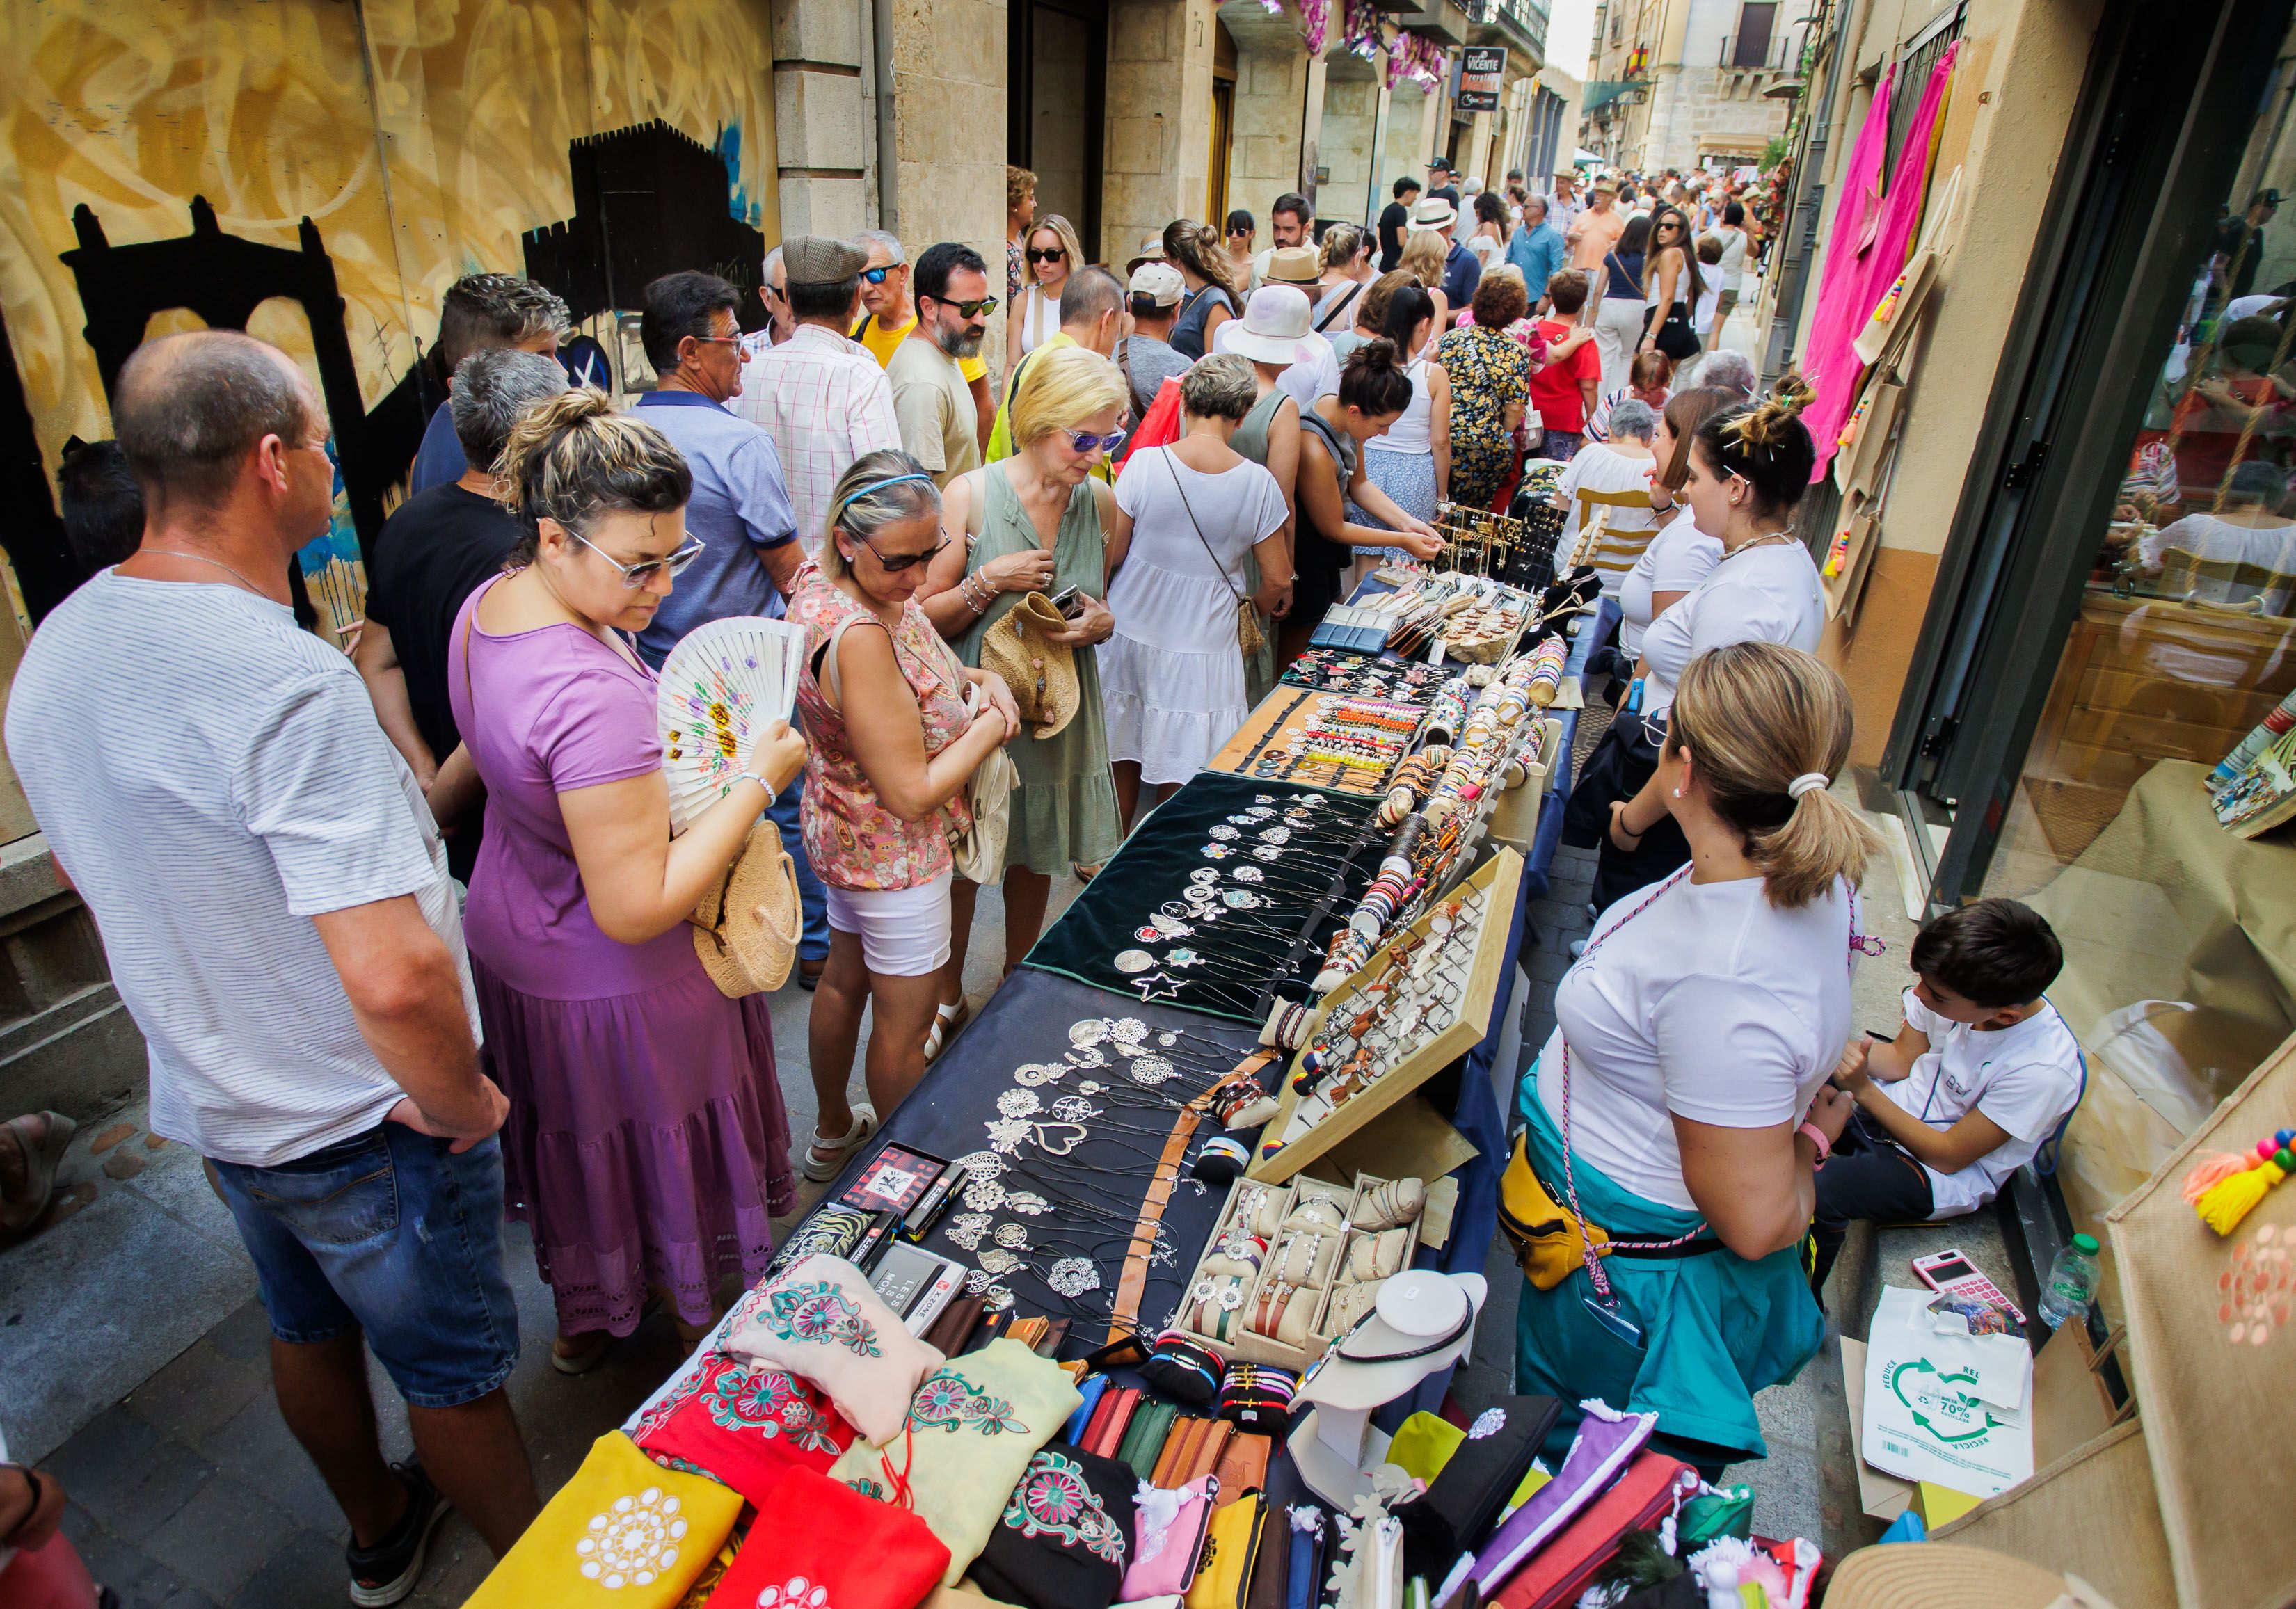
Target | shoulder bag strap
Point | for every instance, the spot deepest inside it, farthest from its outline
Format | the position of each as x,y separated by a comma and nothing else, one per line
1343,303
1173,470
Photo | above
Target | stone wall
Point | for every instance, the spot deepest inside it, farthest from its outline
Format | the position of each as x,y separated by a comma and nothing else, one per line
1351,117
1271,86
1692,106
948,95
1408,146
824,122
1159,145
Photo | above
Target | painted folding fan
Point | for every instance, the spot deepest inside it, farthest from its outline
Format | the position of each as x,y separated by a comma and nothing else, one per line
722,685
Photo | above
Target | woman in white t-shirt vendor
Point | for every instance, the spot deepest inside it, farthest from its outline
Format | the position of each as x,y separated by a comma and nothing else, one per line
1682,1104
1979,1077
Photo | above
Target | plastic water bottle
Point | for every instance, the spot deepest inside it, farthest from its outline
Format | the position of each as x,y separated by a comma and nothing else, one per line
2072,1284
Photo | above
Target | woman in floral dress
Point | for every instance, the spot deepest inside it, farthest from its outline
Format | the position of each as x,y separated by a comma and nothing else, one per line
1490,373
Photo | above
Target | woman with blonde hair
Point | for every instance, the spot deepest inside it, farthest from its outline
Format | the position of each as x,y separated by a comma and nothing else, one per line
1019,208
894,742
1423,253
1346,275
1038,520
1049,255
1682,1104
646,1143
1213,288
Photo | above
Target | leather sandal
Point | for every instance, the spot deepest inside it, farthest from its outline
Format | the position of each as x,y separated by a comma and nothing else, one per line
946,1021
824,1158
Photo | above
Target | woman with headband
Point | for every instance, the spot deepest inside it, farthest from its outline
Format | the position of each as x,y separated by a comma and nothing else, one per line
646,1144
893,745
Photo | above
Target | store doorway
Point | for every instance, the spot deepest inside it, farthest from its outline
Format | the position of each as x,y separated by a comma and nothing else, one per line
1058,59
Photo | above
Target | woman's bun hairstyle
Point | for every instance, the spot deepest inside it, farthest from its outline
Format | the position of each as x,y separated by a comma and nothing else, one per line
573,456
1766,445
1373,380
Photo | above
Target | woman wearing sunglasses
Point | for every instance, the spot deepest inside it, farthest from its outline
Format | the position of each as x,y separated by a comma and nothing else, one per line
893,745
1048,257
646,1142
1036,522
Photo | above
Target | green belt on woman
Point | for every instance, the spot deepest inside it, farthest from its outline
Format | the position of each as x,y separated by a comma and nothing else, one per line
1716,1328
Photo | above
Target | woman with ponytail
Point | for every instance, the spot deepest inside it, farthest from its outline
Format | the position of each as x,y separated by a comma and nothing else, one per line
1209,274
1374,391
1682,1106
646,1144
1748,467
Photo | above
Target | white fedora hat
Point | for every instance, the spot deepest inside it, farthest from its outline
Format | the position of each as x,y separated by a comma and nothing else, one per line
1434,213
1275,323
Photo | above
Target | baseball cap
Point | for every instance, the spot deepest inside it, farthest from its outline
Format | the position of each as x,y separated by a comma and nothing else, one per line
1160,283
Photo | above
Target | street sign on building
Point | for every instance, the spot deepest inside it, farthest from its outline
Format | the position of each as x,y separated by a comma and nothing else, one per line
1481,68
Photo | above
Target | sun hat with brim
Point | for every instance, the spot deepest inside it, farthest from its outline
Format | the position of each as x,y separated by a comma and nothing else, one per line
745,926
1041,673
1945,1575
1274,324
1421,1322
1434,213
1292,265
1152,251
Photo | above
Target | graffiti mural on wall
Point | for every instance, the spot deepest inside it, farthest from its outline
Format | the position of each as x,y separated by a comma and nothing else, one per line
351,158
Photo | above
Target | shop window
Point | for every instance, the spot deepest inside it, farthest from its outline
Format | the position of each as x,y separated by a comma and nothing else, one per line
2149,822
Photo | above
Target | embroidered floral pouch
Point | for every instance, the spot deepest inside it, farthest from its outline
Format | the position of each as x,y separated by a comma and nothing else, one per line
820,1545
972,1427
743,1424
1066,1534
623,1533
821,1321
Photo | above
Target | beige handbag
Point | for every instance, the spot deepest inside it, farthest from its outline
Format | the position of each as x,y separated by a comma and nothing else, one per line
746,924
979,851
1041,673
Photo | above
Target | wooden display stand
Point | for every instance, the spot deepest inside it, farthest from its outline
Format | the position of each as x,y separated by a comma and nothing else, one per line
1514,819
1499,878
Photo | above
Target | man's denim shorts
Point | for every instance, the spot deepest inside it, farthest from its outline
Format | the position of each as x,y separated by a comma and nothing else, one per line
390,1233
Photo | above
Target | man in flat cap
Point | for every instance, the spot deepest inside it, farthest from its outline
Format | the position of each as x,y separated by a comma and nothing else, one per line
820,396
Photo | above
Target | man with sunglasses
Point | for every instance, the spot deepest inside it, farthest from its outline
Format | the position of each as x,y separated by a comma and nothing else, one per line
930,398
890,313
740,515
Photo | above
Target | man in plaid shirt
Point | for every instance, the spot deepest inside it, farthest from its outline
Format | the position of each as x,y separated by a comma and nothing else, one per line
822,398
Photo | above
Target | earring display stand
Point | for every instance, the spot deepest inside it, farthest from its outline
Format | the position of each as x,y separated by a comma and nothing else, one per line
1497,881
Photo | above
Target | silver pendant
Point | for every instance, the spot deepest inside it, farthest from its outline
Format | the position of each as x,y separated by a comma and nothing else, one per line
1171,926
1012,1238
976,1282
1216,851
1067,1135
1072,1276
1128,1030
1224,834
1240,899
1091,1057
1132,961
1203,874
1028,1203
1035,1072
1152,1070
966,1228
1250,874
1268,852
981,1165
1006,1133
984,1194
1090,1088
1166,1040
1092,1030
1275,835
1074,1109
996,1261
997,1299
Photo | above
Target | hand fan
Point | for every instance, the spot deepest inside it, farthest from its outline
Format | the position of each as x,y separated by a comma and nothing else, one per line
722,685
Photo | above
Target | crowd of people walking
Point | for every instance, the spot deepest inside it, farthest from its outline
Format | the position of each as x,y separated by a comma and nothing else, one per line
445,862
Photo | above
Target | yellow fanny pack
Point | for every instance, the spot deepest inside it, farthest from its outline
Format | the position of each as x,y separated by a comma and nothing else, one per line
1549,1245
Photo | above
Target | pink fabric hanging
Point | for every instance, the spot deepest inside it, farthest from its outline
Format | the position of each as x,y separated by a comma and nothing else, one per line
1876,254
1827,360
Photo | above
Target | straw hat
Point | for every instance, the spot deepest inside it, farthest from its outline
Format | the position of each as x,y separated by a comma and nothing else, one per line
1947,1575
746,927
1274,324
1433,213
1292,265
1041,673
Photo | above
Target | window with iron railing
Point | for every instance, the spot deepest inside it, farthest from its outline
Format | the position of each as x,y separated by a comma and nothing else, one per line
1753,44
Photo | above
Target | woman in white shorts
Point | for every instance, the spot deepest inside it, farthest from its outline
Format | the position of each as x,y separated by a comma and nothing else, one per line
893,743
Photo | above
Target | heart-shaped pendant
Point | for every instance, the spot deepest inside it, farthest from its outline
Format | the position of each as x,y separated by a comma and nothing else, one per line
1070,1134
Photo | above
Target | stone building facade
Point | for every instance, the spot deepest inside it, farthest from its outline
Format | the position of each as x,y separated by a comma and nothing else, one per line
1683,84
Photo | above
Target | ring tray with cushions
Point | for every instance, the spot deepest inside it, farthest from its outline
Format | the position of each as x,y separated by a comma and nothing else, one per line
1282,1255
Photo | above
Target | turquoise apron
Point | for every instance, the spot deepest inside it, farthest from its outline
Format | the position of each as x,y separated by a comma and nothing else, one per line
1716,1328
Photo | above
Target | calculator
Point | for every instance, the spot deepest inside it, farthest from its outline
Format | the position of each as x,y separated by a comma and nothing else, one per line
1952,1273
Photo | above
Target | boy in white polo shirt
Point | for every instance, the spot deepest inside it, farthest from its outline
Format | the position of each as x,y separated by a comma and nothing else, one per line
1981,1072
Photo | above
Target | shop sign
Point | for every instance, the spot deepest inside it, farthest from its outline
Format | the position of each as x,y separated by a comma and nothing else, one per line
1481,68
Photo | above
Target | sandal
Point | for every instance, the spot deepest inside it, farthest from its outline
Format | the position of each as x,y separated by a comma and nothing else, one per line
41,1159
588,1349
946,1021
824,1158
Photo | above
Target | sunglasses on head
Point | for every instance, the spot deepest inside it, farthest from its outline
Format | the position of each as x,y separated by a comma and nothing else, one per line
986,305
1049,254
898,562
1085,441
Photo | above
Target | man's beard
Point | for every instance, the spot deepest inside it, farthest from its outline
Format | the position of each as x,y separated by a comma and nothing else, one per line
958,343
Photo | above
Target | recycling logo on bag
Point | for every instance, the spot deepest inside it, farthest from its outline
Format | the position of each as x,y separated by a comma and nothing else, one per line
1941,1402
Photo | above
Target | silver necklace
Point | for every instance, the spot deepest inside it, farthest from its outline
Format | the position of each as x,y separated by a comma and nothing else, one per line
219,564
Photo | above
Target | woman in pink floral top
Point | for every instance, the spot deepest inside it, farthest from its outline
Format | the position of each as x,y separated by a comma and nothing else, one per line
893,743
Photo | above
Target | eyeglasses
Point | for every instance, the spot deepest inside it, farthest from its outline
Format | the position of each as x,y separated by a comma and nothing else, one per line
876,276
1052,255
1087,442
635,575
898,562
987,304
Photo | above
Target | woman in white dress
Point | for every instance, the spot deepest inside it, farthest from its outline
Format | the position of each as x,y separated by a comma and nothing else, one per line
1187,517
1050,254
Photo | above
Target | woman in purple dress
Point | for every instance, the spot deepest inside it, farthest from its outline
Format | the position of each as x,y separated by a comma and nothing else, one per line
646,1144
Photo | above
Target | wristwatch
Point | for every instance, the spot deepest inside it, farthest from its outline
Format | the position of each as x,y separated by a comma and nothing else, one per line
1817,1138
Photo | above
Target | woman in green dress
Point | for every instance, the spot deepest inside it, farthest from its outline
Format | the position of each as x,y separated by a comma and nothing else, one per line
1034,522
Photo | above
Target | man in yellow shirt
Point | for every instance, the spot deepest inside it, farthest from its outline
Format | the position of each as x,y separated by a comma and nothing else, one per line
891,312
1092,316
